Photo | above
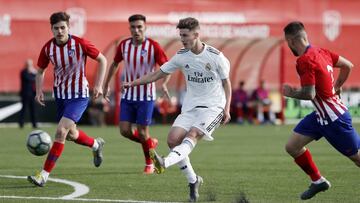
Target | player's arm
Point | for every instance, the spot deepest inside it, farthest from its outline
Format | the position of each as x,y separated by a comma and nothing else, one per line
100,75
151,77
39,80
304,93
345,69
227,88
112,70
164,86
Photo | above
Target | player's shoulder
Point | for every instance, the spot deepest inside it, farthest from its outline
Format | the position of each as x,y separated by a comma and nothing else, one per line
125,40
152,41
49,42
78,39
212,50
182,51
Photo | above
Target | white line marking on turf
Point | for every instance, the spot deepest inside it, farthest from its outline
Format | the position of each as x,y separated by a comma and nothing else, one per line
80,189
82,199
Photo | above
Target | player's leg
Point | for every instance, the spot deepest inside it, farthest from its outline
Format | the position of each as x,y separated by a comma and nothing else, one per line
55,152
127,118
144,110
348,143
147,143
74,110
96,144
305,132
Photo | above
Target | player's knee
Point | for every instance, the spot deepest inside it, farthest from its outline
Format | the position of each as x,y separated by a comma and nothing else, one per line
194,134
356,159
61,133
126,132
357,163
172,143
290,149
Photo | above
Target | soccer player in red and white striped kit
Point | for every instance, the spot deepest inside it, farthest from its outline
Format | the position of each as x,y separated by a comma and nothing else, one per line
68,55
140,55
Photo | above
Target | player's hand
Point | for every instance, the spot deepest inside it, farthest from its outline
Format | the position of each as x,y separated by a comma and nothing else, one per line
39,98
125,86
338,91
97,92
165,92
287,90
106,93
226,118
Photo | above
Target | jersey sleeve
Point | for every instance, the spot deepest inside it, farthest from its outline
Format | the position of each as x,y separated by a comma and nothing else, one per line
160,56
334,57
170,66
119,54
223,67
43,60
306,73
90,49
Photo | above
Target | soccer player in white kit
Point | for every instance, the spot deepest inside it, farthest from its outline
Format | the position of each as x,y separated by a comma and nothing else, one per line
206,103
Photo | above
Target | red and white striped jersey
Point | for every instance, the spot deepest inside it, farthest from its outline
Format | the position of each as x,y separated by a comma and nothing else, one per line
69,62
315,67
139,60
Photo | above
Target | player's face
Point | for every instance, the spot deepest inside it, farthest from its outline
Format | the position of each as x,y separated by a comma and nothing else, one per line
188,38
291,45
60,31
137,29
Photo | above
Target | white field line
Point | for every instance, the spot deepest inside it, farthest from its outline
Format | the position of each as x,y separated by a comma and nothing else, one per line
80,189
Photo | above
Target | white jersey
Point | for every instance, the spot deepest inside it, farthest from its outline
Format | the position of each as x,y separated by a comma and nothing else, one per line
203,74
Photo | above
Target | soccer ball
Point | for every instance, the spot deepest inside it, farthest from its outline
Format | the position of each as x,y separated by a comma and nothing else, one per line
38,142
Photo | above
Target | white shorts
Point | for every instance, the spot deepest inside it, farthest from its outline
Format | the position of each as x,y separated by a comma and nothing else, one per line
205,119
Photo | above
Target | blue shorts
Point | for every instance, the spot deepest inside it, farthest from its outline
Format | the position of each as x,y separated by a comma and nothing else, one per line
139,112
339,133
71,108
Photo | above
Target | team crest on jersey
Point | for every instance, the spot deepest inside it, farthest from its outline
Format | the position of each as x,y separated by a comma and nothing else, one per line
208,67
71,52
187,66
143,52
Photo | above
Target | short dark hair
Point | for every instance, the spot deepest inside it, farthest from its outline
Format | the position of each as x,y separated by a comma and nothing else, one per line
188,23
59,16
294,28
136,17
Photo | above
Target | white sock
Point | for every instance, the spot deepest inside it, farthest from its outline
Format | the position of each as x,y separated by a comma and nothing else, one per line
321,180
44,174
95,145
187,169
179,152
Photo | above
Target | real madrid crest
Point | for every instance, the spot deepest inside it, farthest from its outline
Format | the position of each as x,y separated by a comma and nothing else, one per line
208,67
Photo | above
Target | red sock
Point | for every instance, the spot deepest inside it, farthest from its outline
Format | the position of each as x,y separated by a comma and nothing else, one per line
53,155
146,146
84,139
308,166
135,137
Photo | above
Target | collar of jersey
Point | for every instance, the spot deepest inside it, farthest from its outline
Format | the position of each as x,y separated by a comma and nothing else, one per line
64,43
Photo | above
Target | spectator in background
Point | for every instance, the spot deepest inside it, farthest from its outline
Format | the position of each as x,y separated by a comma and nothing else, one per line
239,103
27,93
261,104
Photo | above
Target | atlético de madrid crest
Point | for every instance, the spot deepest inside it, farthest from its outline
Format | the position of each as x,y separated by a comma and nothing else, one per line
71,52
331,24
